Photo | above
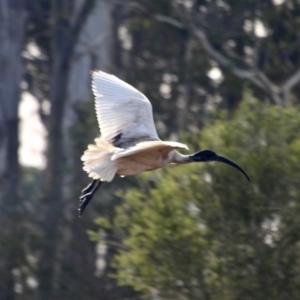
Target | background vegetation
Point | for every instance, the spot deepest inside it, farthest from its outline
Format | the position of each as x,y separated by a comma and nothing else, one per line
222,75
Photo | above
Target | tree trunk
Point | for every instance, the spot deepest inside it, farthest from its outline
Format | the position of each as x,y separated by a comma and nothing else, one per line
64,33
93,51
12,33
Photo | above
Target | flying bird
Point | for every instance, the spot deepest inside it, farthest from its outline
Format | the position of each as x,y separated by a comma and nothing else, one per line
129,143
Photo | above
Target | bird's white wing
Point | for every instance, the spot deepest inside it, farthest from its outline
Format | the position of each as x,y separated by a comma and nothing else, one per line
162,146
124,114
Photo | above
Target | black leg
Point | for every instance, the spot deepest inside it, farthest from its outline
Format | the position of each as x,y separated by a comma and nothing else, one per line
89,187
87,195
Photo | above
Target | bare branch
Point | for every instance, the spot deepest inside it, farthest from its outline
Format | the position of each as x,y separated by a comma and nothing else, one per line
290,83
90,48
219,57
78,25
237,57
169,20
131,4
254,75
82,16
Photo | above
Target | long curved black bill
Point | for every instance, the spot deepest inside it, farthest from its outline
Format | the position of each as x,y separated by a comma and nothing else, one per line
231,163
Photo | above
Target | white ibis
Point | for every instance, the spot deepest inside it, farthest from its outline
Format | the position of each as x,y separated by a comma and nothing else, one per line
129,143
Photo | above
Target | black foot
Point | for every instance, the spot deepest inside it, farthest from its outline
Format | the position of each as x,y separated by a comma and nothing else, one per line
87,195
89,188
83,202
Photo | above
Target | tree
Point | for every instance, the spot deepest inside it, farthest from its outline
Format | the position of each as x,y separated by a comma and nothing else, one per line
58,36
154,45
203,232
81,41
247,39
169,49
12,37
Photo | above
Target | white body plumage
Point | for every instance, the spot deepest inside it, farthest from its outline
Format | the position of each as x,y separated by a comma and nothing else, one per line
129,143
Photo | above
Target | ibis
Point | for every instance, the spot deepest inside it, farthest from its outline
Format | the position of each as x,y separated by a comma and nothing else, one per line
129,143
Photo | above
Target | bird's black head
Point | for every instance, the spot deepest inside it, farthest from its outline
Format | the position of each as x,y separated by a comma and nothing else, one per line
209,155
204,155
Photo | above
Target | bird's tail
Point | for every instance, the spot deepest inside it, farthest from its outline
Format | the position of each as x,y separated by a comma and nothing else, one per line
97,160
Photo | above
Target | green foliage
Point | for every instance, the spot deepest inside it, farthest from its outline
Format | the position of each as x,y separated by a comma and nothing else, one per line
201,231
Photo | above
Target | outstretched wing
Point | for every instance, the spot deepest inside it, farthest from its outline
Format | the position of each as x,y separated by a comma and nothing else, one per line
124,114
161,146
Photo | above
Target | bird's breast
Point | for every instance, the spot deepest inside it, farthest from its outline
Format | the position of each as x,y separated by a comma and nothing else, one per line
140,162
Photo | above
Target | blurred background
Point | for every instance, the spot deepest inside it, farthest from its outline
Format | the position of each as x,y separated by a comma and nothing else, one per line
221,74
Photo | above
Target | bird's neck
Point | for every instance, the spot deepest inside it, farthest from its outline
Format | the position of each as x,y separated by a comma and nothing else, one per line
178,158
